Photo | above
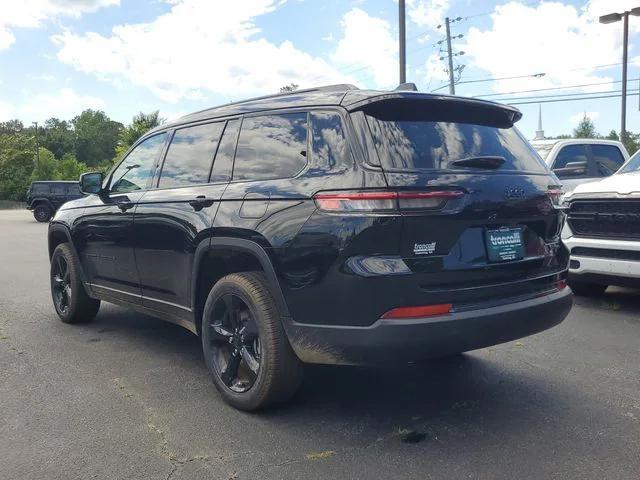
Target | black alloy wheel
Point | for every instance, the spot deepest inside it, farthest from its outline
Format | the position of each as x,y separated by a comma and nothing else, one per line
42,213
61,284
235,343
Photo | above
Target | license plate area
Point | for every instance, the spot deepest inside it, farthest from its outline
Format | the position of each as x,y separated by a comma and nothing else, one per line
504,244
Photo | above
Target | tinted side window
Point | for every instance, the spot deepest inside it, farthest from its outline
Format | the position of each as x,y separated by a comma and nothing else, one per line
58,189
223,164
271,146
608,159
330,147
40,188
73,189
136,170
190,154
571,154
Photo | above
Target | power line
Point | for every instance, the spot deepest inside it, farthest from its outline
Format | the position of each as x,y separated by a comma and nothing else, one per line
552,88
574,99
557,95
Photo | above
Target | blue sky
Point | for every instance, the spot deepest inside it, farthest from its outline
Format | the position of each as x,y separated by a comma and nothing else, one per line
58,57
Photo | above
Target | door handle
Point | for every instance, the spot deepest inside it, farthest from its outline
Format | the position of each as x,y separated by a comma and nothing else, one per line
200,202
124,206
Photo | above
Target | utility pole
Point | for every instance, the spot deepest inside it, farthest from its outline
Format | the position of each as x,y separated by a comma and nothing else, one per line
403,41
37,146
452,88
612,18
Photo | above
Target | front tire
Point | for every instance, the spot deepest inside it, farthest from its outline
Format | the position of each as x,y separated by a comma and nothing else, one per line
585,289
245,347
42,213
70,299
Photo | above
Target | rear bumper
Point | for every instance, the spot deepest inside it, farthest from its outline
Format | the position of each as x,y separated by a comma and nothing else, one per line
399,341
603,270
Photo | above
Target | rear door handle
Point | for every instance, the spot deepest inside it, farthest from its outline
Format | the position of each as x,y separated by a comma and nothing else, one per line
124,206
200,202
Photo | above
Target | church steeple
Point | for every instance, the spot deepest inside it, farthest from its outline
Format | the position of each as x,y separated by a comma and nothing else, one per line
540,131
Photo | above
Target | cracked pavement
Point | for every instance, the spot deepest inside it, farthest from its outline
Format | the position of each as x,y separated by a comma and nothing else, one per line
128,397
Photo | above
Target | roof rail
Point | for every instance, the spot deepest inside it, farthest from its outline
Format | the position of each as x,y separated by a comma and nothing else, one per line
406,87
338,87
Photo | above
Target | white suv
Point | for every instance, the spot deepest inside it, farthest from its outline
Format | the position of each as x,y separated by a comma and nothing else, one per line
603,231
580,160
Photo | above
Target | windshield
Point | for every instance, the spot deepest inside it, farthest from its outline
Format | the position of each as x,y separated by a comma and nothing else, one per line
418,144
633,165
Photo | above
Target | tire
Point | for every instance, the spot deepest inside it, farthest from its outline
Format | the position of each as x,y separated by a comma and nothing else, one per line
42,213
585,289
279,371
76,306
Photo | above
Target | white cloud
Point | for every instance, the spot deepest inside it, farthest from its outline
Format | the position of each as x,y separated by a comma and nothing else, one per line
65,103
553,38
427,13
577,117
367,43
7,112
32,13
199,45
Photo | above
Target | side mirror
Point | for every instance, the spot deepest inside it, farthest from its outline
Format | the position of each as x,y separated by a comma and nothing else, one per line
571,169
91,182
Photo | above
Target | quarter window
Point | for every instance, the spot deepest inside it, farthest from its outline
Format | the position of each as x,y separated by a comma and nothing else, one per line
136,170
271,146
190,154
330,147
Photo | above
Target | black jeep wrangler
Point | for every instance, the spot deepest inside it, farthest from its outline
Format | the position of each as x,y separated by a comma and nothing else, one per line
331,225
45,198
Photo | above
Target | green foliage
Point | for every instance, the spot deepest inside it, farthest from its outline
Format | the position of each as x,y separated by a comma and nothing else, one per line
16,165
292,87
70,169
96,137
585,129
45,166
11,127
58,137
613,135
140,124
631,141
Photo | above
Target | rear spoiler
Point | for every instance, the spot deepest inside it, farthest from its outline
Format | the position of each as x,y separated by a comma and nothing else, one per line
421,106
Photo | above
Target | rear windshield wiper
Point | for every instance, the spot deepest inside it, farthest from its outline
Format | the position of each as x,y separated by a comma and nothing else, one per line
491,162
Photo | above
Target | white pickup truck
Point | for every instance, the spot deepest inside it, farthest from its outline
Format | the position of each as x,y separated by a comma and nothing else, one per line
581,160
603,231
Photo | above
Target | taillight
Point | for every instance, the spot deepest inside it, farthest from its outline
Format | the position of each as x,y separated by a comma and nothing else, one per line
419,312
384,201
561,285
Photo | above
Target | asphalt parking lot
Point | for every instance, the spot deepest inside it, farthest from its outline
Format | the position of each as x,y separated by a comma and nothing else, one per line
128,397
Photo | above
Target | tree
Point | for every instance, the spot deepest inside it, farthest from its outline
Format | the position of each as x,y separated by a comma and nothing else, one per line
613,135
17,154
96,137
45,166
58,137
69,168
631,141
292,87
140,124
585,129
11,127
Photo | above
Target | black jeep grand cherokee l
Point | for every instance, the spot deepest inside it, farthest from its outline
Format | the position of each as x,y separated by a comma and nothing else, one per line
331,225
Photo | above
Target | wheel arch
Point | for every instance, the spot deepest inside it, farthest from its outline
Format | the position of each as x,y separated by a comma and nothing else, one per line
59,234
228,255
38,201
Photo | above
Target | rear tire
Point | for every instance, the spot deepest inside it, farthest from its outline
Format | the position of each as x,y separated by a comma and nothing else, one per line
585,289
70,299
42,213
241,320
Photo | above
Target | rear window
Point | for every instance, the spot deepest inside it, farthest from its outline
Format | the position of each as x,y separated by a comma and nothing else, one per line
426,144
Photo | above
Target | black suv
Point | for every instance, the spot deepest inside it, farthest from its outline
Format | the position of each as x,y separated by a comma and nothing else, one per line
44,198
332,225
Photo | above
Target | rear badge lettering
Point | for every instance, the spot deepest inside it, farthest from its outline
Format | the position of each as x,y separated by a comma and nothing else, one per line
424,248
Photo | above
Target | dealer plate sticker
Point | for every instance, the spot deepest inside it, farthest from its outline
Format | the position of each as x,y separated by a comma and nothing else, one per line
504,244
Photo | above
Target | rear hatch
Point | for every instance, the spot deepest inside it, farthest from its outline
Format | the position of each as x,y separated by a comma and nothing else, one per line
495,229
